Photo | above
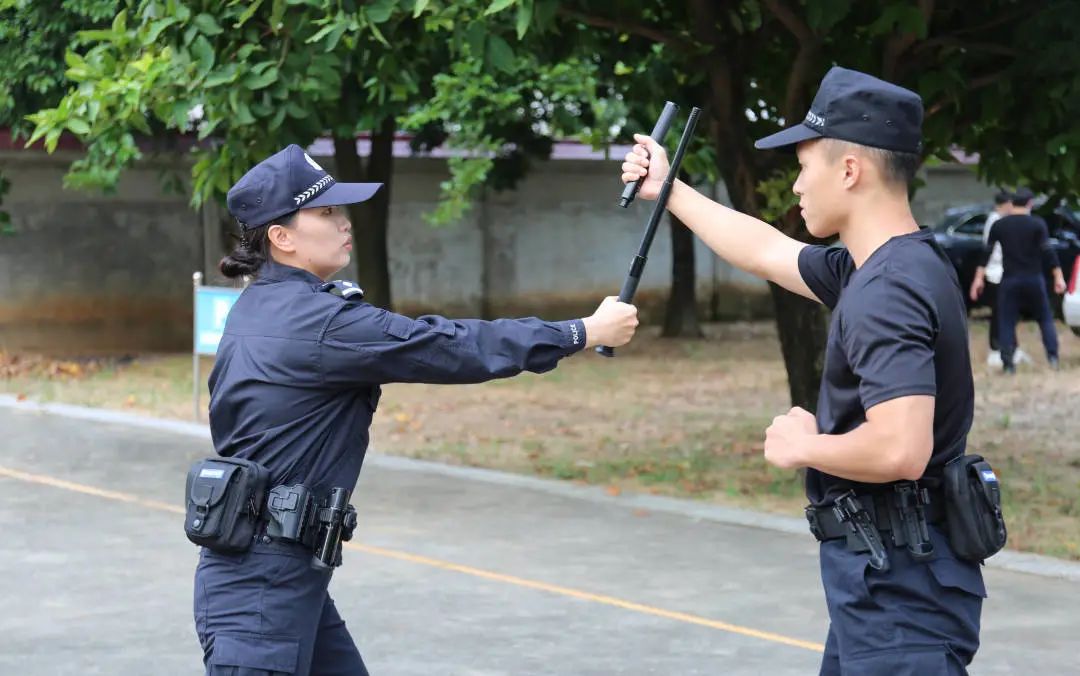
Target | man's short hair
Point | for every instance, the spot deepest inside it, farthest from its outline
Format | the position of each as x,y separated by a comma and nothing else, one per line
1002,197
1022,197
897,168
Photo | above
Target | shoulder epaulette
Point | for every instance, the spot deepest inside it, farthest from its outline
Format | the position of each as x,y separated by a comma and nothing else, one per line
343,289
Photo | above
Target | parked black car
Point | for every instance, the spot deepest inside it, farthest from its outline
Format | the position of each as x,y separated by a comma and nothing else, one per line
960,233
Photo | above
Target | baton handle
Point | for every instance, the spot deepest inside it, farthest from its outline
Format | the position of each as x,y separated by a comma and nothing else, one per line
626,295
659,131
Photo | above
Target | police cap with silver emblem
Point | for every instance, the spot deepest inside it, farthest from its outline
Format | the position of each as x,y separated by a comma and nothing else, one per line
856,107
287,181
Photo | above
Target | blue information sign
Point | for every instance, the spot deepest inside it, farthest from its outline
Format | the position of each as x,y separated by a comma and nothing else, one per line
212,305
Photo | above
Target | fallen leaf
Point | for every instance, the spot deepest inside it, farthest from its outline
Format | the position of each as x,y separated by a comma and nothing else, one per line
613,490
70,368
20,397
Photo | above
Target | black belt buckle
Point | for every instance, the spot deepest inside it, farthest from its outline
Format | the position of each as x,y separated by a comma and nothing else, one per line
911,500
849,510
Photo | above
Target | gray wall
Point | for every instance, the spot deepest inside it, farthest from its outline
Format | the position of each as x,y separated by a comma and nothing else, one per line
556,245
947,186
88,272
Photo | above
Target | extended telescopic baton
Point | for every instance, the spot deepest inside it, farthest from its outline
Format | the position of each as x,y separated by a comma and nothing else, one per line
659,131
637,266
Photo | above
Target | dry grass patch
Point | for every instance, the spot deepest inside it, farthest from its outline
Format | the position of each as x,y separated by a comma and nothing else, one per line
682,418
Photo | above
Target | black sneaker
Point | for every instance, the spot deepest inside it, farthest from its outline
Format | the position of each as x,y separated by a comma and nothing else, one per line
1055,365
1009,369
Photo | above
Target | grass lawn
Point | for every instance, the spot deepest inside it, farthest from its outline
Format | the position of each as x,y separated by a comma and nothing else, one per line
683,418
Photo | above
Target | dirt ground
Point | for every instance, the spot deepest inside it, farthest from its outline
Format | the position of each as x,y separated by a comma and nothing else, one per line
679,418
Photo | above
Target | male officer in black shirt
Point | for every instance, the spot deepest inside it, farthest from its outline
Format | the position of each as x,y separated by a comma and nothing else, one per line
896,397
1026,251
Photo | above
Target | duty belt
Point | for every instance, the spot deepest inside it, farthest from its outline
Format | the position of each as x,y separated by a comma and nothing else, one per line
904,512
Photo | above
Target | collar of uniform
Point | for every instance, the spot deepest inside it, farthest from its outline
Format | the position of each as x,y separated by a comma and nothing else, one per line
272,271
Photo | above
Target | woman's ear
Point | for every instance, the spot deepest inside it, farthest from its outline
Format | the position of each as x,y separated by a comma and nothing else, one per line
281,238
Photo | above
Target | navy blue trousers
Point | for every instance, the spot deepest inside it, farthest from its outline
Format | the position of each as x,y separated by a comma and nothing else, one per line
1019,294
267,612
917,619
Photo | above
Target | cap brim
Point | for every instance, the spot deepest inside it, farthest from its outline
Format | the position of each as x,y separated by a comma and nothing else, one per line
344,193
787,137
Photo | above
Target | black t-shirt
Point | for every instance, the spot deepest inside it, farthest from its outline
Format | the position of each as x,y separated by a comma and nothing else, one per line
1025,242
898,328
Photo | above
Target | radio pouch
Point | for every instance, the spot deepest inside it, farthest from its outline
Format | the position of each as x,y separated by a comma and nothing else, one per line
973,508
224,497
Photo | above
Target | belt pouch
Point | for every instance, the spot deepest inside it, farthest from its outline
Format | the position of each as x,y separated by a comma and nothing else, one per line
224,497
973,508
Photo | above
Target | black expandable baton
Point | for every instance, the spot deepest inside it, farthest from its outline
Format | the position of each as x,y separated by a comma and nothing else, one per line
637,266
659,131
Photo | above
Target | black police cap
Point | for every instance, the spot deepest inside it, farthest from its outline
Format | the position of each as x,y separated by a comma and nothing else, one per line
856,107
287,181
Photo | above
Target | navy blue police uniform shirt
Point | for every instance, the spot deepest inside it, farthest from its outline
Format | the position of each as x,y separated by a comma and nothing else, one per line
297,376
898,328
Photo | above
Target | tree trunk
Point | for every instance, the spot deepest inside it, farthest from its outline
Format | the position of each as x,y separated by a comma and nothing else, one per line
800,323
370,219
220,234
681,318
803,328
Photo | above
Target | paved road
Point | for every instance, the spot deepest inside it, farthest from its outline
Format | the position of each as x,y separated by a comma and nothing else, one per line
449,575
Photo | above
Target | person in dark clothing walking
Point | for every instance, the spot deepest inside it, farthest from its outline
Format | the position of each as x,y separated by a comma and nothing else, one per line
1026,251
1002,207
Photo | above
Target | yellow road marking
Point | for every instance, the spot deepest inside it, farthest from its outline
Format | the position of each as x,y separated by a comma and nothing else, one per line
446,565
88,490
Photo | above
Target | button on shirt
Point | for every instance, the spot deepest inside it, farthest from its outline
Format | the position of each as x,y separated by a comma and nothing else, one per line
298,371
898,328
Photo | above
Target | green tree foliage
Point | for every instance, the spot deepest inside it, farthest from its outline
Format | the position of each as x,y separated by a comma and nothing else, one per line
998,79
33,38
242,79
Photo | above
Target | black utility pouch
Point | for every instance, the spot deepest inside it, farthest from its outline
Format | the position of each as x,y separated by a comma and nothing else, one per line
224,497
973,508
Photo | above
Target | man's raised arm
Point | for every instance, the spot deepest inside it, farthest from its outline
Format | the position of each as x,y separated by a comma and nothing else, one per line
744,241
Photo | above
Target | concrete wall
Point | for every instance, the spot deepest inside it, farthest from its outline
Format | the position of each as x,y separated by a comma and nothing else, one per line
947,186
88,272
553,247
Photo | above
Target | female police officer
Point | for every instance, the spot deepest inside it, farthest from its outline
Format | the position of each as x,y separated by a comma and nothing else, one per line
294,389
